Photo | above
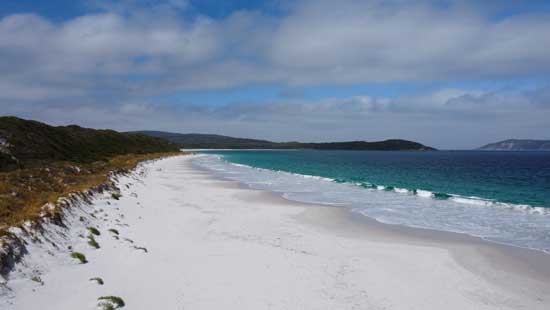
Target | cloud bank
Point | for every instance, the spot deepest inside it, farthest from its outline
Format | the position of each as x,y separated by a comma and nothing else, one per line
120,57
447,118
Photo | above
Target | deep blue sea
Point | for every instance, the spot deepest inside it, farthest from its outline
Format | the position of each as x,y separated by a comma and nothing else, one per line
499,196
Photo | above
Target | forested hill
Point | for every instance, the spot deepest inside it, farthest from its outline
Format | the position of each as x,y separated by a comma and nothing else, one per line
24,141
518,145
208,141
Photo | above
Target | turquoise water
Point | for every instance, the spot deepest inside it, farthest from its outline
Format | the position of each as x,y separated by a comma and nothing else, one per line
519,178
500,196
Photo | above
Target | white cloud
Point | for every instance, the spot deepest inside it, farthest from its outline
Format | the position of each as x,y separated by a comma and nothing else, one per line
96,43
371,41
317,42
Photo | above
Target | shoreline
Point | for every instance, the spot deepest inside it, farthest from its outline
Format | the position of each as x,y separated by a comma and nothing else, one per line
210,243
517,260
373,221
454,198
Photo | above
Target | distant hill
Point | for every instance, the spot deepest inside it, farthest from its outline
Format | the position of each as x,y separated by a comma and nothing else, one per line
518,145
207,141
200,141
23,141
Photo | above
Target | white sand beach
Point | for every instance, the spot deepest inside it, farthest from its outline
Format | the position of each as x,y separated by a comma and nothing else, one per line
189,241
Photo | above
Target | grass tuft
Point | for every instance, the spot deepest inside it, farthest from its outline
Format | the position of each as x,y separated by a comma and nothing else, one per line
116,196
110,302
98,280
92,242
114,231
94,231
81,257
141,248
37,279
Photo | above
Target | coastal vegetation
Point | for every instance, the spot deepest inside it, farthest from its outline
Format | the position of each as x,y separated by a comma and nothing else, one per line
37,279
94,231
40,164
26,144
80,257
92,242
110,302
144,249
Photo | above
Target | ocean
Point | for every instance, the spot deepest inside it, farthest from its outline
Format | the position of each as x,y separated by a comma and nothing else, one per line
499,196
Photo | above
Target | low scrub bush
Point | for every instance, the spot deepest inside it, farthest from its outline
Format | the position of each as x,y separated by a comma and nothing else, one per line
81,257
92,242
94,231
110,302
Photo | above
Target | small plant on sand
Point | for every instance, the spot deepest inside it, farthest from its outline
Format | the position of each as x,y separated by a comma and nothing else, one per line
140,248
81,257
110,302
37,279
98,280
114,231
92,242
94,231
82,219
116,196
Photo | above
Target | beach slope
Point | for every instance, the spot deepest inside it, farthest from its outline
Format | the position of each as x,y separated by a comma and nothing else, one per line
180,239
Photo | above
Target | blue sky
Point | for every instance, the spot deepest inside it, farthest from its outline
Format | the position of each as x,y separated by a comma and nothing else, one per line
451,74
65,9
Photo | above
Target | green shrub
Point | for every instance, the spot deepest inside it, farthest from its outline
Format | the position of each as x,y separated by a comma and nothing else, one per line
37,279
94,231
92,242
98,280
81,257
110,302
114,231
116,196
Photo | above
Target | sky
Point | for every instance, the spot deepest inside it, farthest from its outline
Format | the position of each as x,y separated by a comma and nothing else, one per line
449,74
